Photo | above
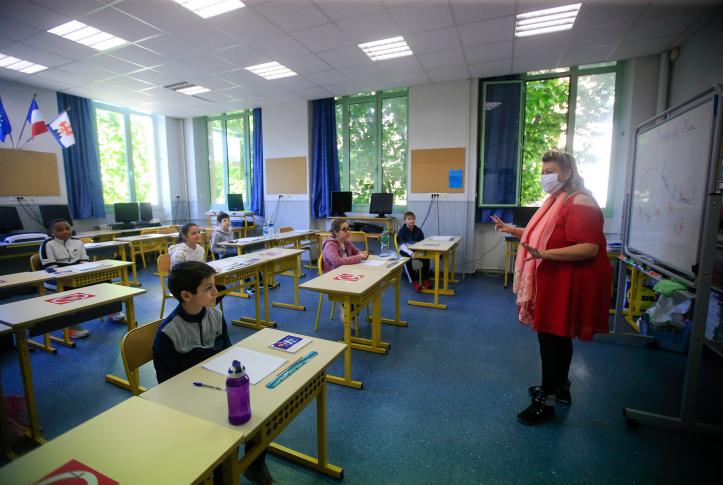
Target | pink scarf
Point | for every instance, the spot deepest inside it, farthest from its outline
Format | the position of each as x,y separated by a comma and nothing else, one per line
536,235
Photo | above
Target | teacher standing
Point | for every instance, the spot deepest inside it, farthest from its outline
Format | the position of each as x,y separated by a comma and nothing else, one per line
562,278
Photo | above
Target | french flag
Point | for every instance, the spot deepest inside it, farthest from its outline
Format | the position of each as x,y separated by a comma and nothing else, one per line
35,118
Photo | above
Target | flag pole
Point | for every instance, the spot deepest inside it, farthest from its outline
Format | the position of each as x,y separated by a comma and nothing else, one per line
11,139
25,123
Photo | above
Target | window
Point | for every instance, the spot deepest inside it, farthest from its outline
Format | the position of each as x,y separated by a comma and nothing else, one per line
372,141
127,151
571,108
230,156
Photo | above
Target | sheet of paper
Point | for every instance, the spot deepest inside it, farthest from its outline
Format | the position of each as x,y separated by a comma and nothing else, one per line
441,238
374,262
79,268
257,365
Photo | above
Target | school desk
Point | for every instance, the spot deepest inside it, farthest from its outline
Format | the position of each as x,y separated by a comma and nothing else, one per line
137,442
389,222
90,248
19,249
276,260
359,286
109,234
145,243
231,272
66,277
271,409
393,276
23,315
435,249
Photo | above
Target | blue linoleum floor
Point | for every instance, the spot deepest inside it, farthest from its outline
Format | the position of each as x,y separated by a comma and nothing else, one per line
441,406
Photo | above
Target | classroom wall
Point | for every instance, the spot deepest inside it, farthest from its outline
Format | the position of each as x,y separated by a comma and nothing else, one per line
443,115
286,134
695,70
16,98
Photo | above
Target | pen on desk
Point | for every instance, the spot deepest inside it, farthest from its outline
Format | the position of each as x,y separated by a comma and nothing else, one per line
201,384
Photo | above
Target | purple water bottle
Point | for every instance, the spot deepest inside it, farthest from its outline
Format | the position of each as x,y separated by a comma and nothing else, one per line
237,394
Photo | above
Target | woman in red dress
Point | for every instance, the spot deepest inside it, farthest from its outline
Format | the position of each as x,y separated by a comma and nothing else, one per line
562,278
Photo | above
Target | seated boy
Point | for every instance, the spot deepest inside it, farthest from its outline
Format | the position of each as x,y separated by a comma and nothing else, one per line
193,332
61,249
222,234
408,235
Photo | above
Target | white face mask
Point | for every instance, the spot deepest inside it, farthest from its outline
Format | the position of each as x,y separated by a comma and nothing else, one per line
550,183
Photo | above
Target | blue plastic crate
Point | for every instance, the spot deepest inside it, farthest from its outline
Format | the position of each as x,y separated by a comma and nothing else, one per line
668,339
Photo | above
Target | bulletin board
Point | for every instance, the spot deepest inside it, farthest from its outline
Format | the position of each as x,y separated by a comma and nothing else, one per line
431,169
28,173
286,175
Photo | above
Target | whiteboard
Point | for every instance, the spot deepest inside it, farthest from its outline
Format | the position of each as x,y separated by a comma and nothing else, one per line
670,176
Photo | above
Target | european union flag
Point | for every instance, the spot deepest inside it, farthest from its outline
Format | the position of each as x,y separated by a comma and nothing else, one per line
5,127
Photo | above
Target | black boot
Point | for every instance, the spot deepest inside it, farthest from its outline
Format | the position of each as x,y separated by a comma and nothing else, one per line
538,411
563,393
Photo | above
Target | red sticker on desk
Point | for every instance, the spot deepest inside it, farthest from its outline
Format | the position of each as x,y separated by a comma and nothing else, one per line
62,300
349,277
75,473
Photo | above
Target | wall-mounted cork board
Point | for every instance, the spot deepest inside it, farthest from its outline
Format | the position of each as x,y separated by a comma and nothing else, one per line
285,175
28,173
431,169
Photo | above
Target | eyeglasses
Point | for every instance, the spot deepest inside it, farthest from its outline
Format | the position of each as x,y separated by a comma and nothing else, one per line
345,229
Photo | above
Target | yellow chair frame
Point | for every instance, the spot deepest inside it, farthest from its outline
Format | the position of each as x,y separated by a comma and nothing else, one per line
136,350
163,263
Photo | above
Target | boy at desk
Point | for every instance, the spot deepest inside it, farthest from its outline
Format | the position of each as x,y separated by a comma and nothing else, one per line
61,249
408,235
193,332
222,234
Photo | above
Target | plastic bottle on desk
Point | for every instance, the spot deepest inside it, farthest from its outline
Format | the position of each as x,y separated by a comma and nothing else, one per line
384,241
238,394
265,229
271,229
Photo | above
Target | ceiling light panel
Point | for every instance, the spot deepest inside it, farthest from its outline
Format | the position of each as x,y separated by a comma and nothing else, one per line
386,48
545,21
87,35
210,8
185,87
271,70
21,65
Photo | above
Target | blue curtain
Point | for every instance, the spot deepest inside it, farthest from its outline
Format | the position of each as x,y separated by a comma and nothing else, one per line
257,184
81,161
324,157
501,146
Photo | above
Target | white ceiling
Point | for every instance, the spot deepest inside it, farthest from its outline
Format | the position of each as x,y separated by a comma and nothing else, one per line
451,39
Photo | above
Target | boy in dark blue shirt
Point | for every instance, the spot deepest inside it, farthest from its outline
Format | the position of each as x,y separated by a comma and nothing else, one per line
193,332
408,235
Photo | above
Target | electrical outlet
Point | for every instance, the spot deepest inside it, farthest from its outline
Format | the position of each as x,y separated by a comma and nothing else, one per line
24,199
434,195
443,195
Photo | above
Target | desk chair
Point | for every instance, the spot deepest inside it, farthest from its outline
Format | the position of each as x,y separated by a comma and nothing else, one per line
163,263
46,346
359,236
416,264
136,350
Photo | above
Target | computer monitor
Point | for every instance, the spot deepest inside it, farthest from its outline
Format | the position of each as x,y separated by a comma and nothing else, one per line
49,213
9,219
382,204
340,203
521,215
146,211
235,202
126,211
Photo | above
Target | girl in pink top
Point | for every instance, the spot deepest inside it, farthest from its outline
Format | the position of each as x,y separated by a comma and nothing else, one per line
337,250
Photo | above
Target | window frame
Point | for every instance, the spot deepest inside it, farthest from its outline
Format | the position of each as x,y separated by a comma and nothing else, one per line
378,98
126,113
247,116
573,72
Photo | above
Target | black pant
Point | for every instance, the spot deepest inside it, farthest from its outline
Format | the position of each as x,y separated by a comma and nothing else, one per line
410,268
556,355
